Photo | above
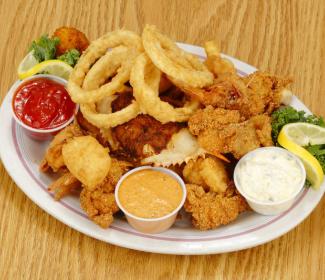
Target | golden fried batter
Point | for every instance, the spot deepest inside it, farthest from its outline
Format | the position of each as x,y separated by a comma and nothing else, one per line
211,118
89,129
53,157
215,63
118,168
70,38
64,186
255,94
219,131
191,173
99,204
210,210
209,173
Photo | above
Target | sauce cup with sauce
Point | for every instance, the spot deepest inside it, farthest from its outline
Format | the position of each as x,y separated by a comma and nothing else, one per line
270,179
150,198
52,101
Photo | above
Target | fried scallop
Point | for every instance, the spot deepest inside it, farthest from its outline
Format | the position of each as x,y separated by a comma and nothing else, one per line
208,172
87,160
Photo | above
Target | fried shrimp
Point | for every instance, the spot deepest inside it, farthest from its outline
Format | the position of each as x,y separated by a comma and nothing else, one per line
255,94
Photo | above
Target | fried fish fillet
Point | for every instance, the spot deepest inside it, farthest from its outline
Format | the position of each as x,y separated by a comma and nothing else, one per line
222,131
210,210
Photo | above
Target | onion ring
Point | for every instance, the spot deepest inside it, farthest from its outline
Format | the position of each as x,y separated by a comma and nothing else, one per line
109,120
119,60
173,61
100,114
145,79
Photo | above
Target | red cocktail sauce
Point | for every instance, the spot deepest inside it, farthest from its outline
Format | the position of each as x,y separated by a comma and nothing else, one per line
42,103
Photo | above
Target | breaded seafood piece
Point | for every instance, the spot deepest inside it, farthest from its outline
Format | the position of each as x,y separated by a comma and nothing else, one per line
215,63
53,157
252,95
191,172
221,131
210,118
87,160
117,169
210,173
99,204
210,210
64,185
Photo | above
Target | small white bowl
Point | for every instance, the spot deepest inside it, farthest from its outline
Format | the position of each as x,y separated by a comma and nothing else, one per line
34,133
152,225
276,207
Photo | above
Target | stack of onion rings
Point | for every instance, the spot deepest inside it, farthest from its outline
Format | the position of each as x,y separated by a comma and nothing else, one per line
117,58
110,57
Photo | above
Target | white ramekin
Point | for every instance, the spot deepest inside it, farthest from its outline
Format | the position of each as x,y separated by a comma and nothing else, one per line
270,208
34,133
153,225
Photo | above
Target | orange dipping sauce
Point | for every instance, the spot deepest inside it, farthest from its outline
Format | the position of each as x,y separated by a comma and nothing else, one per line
150,194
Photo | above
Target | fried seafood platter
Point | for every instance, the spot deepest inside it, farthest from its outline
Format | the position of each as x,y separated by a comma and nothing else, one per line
145,101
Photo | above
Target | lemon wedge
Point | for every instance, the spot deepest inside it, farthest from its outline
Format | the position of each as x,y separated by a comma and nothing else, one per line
292,138
28,62
305,134
55,67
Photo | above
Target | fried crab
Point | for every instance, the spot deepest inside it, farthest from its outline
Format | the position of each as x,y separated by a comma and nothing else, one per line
149,141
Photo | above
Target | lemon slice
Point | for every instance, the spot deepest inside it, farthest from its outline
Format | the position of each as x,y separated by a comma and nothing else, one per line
54,67
305,134
28,62
314,170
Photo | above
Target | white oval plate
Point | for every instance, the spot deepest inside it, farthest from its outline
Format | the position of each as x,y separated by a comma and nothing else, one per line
21,156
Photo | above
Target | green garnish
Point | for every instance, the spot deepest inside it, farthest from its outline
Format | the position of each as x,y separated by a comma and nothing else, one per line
71,57
287,115
318,151
44,48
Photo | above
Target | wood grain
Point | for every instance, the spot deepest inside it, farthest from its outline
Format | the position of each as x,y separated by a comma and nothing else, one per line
283,37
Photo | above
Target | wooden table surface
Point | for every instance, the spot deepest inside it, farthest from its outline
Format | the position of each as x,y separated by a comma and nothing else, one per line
282,37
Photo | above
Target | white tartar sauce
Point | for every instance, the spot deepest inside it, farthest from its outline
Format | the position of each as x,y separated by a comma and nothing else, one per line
269,175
